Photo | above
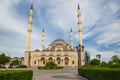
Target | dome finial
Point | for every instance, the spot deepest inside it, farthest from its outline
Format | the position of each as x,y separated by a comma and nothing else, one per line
31,6
43,30
71,29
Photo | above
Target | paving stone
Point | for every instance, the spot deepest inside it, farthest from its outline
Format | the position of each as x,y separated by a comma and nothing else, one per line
63,74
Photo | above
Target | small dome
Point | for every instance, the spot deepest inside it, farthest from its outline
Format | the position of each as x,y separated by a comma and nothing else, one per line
37,50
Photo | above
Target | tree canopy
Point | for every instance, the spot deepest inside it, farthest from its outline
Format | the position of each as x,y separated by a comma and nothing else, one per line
95,62
115,59
15,62
4,59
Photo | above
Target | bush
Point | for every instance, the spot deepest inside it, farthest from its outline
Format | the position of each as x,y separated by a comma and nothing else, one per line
50,66
104,64
22,66
60,67
115,66
2,66
41,68
16,75
100,73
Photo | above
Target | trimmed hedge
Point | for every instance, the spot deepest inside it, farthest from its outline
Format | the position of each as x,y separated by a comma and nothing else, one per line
16,75
100,73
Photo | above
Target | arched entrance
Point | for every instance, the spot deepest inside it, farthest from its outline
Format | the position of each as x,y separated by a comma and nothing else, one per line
43,60
58,60
66,60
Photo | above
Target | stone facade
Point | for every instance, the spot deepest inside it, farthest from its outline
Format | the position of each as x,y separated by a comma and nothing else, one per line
58,51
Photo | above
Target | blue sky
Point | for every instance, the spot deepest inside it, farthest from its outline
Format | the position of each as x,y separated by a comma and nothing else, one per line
100,24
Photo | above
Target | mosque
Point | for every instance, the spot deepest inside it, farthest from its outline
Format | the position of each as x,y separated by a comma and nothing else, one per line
59,51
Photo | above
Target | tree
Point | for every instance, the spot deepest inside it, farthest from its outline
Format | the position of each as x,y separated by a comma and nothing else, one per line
103,64
110,63
95,62
115,59
4,59
15,62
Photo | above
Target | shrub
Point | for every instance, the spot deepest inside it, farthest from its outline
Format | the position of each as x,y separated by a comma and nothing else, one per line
100,73
16,75
22,66
2,66
104,64
41,67
51,65
60,67
115,66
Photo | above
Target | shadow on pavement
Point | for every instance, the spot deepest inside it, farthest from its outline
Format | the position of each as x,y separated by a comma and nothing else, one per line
66,76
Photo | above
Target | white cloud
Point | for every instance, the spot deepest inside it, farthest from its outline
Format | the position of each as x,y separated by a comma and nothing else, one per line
109,34
14,29
9,21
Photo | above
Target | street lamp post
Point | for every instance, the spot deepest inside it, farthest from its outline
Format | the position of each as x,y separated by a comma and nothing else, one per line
98,56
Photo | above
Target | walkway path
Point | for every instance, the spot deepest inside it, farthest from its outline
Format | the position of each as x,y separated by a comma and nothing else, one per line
64,74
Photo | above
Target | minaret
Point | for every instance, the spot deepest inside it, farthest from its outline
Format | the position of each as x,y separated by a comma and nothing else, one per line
81,60
29,28
27,52
71,39
42,41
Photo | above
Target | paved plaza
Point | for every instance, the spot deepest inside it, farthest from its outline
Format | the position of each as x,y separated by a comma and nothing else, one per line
63,74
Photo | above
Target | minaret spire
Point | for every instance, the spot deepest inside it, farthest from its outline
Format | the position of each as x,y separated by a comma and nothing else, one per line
43,30
78,6
42,41
71,39
29,28
81,60
31,6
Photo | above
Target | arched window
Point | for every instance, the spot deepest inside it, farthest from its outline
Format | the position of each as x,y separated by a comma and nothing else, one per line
50,59
43,60
66,60
58,60
34,62
72,62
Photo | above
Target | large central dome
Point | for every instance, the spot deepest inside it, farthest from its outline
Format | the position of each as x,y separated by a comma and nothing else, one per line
59,42
59,45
